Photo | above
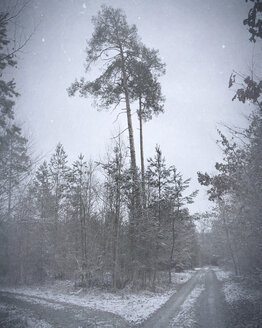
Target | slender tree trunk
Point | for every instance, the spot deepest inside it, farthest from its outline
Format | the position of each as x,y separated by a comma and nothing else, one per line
116,239
85,235
117,220
10,181
136,201
158,231
129,119
9,194
142,153
42,227
172,249
173,246
82,237
88,210
56,227
82,225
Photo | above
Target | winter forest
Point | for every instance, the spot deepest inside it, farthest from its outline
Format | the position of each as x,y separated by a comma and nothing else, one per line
130,174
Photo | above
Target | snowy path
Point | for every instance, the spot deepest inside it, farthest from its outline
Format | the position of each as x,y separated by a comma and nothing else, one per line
211,308
41,313
199,302
163,317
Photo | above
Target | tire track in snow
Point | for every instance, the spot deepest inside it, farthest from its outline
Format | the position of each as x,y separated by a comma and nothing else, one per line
164,316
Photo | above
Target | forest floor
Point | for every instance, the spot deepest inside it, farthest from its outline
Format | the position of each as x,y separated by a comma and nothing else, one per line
204,298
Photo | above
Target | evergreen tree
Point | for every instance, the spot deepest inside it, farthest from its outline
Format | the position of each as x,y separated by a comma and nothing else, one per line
167,205
58,178
158,179
78,190
178,208
7,88
43,191
115,42
116,190
14,159
118,45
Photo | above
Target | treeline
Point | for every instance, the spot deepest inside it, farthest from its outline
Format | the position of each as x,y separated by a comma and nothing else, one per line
105,224
71,223
236,189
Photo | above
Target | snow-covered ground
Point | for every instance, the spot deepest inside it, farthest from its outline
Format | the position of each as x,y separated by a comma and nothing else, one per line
185,317
233,290
55,306
182,277
17,318
134,307
221,274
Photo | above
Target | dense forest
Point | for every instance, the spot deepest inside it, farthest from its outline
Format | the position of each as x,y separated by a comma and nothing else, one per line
114,222
98,223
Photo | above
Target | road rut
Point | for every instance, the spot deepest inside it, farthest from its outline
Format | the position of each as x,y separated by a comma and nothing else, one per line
162,317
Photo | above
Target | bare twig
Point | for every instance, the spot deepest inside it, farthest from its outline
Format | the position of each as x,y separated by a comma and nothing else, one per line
119,134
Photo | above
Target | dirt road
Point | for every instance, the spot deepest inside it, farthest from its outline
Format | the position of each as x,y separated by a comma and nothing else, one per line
162,317
198,303
47,314
211,310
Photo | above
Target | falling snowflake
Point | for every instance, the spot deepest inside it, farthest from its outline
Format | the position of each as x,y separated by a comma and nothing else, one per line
223,46
84,5
43,39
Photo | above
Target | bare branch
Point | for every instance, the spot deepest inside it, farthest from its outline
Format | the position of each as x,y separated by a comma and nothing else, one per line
119,134
117,117
19,11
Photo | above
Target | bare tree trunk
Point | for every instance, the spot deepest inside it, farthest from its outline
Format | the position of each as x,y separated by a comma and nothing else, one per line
82,216
129,119
10,181
142,153
117,222
85,235
136,201
173,245
158,227
56,227
116,240
172,249
88,213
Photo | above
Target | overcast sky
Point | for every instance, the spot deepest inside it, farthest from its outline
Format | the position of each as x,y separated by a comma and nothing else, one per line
201,42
